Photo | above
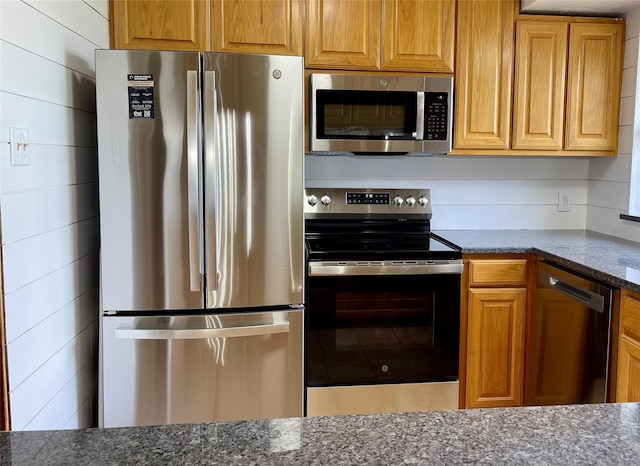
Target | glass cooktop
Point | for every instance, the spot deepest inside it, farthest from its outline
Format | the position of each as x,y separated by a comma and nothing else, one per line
373,247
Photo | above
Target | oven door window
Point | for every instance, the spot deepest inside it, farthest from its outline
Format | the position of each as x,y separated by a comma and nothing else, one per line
382,329
385,115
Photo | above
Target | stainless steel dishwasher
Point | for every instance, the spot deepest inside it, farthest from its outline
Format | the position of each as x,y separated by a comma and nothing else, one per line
568,356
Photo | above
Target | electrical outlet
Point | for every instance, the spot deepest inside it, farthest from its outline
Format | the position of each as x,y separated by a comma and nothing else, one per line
564,204
19,146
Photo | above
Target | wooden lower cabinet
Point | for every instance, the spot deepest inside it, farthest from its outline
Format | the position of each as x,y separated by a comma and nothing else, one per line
628,373
495,347
628,370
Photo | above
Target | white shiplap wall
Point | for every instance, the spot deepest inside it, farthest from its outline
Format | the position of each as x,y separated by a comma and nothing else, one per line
609,179
471,192
49,209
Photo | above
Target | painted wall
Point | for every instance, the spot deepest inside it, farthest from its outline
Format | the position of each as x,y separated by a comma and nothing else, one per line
609,178
471,192
49,209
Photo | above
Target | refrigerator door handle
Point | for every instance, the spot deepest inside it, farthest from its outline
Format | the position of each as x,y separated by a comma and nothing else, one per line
211,244
193,180
201,333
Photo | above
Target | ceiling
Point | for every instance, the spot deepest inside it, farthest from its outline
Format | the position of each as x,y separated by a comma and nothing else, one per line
579,7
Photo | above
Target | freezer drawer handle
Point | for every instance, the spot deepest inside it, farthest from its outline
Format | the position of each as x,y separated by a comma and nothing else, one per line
201,333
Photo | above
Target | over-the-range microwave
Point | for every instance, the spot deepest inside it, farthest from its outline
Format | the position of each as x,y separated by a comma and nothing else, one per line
375,114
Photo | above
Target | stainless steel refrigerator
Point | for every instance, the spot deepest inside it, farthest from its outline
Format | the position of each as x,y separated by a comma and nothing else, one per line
200,161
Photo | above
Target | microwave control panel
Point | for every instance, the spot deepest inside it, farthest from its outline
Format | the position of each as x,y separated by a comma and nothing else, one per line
436,114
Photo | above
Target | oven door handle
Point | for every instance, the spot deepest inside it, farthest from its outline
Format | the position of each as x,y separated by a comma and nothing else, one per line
356,268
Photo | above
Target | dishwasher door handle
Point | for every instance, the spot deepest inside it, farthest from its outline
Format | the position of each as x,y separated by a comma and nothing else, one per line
593,300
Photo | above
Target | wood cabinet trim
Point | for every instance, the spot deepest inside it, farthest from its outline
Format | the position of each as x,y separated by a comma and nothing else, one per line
532,153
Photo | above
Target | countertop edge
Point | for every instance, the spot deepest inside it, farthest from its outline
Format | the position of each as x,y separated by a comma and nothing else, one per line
609,277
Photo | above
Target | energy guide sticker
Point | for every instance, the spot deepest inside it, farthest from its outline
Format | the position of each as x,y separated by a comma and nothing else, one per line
141,99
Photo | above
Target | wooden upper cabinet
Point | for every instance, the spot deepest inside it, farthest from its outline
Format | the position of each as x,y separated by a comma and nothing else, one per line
593,87
484,73
343,34
540,82
390,35
160,24
272,27
418,35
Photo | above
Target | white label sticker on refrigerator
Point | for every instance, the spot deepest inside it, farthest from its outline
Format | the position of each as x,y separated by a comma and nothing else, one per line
141,100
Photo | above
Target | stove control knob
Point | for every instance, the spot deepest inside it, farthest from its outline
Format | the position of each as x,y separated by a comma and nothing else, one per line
312,200
423,201
410,201
397,201
325,200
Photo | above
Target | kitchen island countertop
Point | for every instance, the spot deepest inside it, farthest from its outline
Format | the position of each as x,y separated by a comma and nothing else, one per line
607,258
577,434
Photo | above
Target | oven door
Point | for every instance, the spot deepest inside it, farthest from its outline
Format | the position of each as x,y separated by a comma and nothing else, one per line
382,342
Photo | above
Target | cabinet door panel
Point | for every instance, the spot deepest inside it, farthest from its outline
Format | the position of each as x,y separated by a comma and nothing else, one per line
561,325
418,35
495,342
628,386
593,86
256,26
343,34
484,73
160,24
540,82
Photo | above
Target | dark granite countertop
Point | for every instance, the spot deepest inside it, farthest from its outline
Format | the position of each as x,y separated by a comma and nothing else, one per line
558,435
607,258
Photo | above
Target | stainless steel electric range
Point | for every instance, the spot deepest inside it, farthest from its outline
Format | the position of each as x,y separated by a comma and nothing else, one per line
382,303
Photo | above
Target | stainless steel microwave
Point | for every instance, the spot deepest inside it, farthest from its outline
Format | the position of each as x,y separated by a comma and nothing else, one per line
381,114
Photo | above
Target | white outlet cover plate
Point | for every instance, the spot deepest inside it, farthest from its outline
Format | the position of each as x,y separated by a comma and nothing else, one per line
19,146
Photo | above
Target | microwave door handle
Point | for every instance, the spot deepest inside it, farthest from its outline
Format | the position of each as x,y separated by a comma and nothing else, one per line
193,188
420,97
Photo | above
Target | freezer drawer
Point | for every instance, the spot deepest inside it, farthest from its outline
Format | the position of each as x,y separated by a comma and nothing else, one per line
200,368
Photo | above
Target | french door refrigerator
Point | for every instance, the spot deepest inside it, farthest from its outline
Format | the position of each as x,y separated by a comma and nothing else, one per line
200,160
